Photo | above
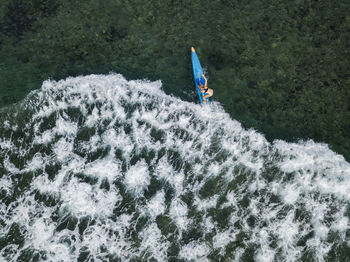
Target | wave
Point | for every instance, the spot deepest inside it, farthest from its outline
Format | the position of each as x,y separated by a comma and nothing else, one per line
101,168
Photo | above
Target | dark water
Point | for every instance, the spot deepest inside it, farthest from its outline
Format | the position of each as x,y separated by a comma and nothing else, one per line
281,68
98,168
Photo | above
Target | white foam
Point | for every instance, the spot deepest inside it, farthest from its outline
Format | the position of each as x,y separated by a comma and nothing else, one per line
287,232
42,232
35,163
6,144
341,221
205,204
237,256
309,158
221,239
93,118
265,253
197,143
208,224
178,213
6,185
104,168
137,177
84,199
195,251
10,167
154,242
156,205
166,172
63,149
44,138
65,128
290,193
231,200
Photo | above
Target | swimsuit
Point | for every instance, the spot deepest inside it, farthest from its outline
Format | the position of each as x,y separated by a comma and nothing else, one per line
201,88
205,90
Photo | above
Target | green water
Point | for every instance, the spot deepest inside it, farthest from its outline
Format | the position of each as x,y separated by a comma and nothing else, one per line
281,68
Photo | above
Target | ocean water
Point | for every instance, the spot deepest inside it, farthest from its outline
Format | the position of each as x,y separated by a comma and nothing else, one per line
98,168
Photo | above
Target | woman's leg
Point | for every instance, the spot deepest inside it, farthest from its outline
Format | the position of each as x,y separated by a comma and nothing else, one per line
209,94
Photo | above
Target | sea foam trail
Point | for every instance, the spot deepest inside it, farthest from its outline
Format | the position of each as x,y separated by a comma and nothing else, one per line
100,168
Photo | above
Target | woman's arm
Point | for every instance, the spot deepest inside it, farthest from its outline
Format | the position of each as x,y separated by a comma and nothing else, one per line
205,80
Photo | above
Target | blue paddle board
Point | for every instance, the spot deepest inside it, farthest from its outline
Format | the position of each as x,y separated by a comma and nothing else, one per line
197,74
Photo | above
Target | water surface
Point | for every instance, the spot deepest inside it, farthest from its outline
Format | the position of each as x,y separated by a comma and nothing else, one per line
97,168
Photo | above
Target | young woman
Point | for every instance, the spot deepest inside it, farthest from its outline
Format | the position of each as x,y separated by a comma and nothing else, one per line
204,88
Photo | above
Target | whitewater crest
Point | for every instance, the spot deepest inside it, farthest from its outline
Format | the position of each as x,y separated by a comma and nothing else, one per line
99,168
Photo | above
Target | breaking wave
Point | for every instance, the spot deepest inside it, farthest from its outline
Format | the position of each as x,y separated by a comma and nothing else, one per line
99,168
